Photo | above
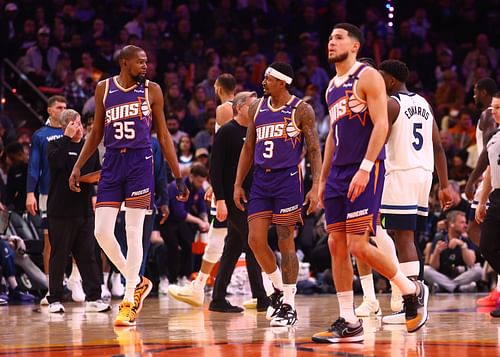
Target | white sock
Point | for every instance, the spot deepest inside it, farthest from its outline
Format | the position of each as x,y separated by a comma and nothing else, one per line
368,287
386,244
498,282
289,291
410,268
105,277
404,284
134,224
276,278
200,281
268,284
105,218
75,273
346,306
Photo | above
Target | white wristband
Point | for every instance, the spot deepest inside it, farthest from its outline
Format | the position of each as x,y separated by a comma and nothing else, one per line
366,165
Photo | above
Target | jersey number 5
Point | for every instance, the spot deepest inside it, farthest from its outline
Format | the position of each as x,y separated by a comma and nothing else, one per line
269,149
419,139
124,130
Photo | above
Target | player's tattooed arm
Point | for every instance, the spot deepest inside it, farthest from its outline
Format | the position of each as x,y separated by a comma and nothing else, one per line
307,122
246,158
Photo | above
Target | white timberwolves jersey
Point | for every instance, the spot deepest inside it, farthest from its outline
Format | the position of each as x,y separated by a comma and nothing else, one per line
410,143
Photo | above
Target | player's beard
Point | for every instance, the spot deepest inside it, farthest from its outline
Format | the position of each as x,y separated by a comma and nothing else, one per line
341,57
140,78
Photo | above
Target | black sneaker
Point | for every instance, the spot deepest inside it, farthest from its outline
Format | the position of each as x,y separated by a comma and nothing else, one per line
495,313
286,316
224,306
276,301
341,332
263,303
416,313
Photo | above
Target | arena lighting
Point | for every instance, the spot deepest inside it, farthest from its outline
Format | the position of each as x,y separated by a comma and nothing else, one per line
3,101
14,90
390,13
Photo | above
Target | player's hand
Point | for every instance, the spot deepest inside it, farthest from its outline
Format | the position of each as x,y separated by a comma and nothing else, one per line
480,213
165,211
182,189
312,199
71,130
358,184
203,226
221,210
209,193
445,197
239,197
31,206
469,190
74,180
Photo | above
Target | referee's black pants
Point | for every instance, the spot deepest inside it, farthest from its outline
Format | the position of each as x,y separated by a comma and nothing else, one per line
237,242
73,235
489,244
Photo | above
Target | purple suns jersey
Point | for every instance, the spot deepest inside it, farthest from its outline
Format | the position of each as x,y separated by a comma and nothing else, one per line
350,121
278,139
128,118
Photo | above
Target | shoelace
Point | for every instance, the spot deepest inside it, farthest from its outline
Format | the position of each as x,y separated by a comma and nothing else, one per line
285,311
275,299
339,324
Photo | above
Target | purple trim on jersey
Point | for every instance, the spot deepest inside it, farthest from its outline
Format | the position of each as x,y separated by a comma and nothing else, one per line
128,116
279,141
350,121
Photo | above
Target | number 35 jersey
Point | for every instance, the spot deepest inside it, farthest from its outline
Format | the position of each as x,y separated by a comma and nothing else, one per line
410,141
279,141
128,117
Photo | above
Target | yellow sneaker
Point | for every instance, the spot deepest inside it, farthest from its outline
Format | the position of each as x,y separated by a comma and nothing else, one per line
142,290
126,314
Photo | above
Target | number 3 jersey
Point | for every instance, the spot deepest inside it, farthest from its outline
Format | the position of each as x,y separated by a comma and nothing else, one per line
410,141
128,119
279,141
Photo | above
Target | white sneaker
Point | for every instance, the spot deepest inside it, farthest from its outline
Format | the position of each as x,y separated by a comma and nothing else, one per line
105,293
184,281
398,318
117,288
45,301
76,288
396,300
97,306
163,286
56,307
368,308
187,294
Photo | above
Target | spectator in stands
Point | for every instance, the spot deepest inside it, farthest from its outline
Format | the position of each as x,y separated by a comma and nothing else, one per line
61,75
173,125
201,157
185,155
445,62
482,47
463,132
449,94
205,138
78,91
40,59
27,38
196,105
452,263
317,75
208,83
88,64
16,178
8,247
185,219
71,217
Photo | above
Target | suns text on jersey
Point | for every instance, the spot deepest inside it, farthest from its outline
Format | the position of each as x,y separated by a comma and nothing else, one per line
338,109
123,111
270,131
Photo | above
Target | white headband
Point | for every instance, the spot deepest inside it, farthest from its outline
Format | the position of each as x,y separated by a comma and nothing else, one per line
277,74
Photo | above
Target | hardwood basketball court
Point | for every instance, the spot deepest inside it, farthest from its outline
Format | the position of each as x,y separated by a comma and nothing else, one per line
166,327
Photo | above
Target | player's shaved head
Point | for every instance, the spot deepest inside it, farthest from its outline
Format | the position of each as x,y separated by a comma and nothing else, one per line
129,52
395,68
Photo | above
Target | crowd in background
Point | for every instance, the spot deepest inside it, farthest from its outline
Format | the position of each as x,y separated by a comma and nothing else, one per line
66,47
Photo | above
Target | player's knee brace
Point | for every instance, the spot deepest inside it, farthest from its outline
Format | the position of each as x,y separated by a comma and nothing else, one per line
215,246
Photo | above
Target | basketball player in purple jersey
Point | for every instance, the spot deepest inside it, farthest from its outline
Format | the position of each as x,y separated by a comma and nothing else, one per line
126,107
351,184
274,145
